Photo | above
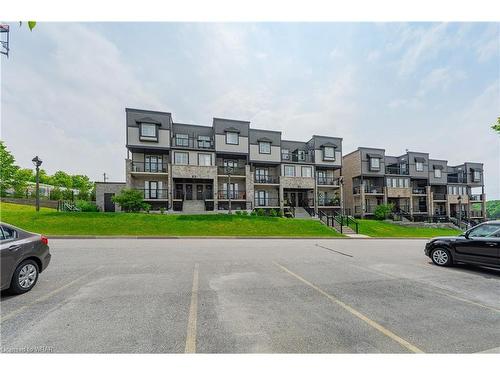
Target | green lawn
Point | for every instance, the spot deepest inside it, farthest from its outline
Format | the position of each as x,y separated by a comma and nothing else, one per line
375,228
51,222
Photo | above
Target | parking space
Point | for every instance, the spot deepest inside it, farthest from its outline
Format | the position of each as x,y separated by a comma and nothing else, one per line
243,296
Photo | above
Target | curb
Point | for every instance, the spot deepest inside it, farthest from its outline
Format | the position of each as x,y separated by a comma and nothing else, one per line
82,237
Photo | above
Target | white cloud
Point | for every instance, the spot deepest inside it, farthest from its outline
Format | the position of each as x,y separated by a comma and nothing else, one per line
373,56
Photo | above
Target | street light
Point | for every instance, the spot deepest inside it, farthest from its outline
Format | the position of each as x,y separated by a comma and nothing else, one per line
37,162
459,210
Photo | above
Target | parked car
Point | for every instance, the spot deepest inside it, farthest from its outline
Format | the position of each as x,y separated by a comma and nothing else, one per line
479,245
24,256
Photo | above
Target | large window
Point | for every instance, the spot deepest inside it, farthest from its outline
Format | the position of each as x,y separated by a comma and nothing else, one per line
476,176
182,140
262,198
181,158
329,153
149,131
398,182
232,138
301,155
289,170
374,164
419,166
205,159
306,171
204,141
153,163
264,147
437,173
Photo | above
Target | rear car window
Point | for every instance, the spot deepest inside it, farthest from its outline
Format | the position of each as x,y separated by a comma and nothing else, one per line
8,233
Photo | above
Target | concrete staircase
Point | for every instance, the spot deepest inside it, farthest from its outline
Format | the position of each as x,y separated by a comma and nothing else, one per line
193,207
301,213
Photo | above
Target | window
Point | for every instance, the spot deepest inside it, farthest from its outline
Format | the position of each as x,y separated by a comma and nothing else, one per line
264,147
153,163
301,155
419,166
8,233
204,141
476,176
289,170
306,172
396,182
437,173
148,131
485,230
262,198
182,140
262,175
374,164
329,153
205,159
232,138
285,154
181,158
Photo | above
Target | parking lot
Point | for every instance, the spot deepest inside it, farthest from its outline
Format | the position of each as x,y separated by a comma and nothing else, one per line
241,296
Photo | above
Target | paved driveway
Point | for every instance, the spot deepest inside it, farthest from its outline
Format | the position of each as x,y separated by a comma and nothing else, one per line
319,296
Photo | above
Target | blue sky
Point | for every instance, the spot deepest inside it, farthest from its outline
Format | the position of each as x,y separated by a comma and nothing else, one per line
429,87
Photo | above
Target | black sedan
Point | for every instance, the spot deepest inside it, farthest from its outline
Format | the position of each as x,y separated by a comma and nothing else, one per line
23,256
479,245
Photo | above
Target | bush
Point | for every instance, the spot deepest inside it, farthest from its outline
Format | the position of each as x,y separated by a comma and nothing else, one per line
162,210
253,213
238,213
131,200
86,206
280,213
273,213
260,212
382,211
83,195
67,195
244,213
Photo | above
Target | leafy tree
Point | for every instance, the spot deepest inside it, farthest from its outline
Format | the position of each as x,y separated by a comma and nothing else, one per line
21,179
130,200
382,211
44,178
496,127
493,209
56,194
81,182
62,179
67,194
7,169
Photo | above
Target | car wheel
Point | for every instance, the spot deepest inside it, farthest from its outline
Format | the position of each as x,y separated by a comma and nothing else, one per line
25,277
441,257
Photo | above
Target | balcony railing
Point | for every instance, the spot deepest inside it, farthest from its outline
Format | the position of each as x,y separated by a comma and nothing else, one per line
267,202
476,197
234,171
475,213
439,196
457,179
181,194
374,189
325,202
236,195
266,179
193,142
396,170
307,158
328,181
151,167
418,190
154,193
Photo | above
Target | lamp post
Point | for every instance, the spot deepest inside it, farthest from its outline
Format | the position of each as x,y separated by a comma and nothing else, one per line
37,162
459,210
229,170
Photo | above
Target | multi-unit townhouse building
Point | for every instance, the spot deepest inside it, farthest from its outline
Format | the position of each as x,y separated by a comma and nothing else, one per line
418,186
186,167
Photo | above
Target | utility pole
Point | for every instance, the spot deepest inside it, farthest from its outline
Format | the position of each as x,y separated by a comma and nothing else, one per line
105,177
37,163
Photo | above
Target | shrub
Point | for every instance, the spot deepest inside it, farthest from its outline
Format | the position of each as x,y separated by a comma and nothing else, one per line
86,206
260,212
162,210
280,213
244,213
238,213
382,211
83,195
56,194
273,213
67,195
253,213
131,200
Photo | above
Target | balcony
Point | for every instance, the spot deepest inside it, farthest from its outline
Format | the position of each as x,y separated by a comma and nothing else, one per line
300,158
476,197
234,195
154,194
181,195
418,191
328,181
266,179
234,171
267,202
439,196
374,190
329,202
148,167
397,170
457,179
192,142
476,214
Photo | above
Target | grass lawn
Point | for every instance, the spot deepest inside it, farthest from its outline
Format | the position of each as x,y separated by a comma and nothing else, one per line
51,222
376,228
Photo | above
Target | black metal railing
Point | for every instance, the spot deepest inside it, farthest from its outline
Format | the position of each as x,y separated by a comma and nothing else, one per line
154,193
234,171
295,157
399,170
236,195
192,142
152,167
374,189
266,179
439,196
476,197
476,213
419,190
329,201
453,178
267,202
328,181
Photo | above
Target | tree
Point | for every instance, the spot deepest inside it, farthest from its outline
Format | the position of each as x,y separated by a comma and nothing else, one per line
496,127
382,211
7,169
56,194
62,179
130,200
43,177
21,179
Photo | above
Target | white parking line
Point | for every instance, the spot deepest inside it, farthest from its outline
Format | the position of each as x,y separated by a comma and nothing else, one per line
193,315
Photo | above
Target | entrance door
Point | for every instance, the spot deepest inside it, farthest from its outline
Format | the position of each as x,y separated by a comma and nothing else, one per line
189,192
109,205
300,197
199,192
293,199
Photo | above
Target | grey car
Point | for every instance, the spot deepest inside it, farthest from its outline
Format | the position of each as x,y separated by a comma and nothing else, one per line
24,256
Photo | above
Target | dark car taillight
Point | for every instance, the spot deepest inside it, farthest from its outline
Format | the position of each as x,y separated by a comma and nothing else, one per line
44,240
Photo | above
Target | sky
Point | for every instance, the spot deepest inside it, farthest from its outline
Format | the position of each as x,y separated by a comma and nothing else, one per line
429,87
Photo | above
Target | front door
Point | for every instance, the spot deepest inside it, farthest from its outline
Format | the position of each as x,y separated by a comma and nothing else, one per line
189,192
109,205
301,200
153,189
482,245
199,192
293,199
